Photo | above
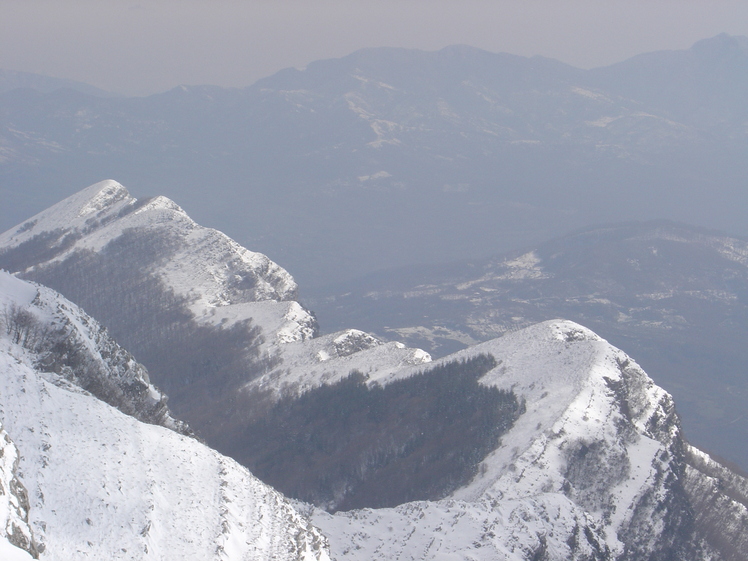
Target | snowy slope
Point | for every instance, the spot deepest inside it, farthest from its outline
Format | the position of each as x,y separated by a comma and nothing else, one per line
594,468
58,337
330,358
103,485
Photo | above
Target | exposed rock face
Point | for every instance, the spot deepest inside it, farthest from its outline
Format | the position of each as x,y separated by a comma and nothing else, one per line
14,504
719,498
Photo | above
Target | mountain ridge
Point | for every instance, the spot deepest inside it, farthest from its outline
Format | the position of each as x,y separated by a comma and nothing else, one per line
594,420
592,464
188,300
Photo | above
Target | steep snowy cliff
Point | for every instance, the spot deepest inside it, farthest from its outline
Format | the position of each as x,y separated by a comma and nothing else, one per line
102,484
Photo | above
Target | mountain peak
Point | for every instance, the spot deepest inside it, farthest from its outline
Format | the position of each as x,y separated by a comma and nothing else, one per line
93,218
162,203
81,210
104,194
722,44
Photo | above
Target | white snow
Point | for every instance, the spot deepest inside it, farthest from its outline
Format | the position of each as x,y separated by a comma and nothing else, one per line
330,358
597,96
446,530
9,552
13,290
281,322
382,128
102,485
602,122
109,193
71,213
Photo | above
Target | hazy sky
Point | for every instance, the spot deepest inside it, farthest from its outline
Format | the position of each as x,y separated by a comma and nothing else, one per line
141,47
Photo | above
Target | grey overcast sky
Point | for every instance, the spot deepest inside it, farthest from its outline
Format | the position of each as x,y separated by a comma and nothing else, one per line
141,47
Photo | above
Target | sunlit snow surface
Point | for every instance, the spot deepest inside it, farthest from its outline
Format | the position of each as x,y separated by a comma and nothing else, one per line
330,358
105,486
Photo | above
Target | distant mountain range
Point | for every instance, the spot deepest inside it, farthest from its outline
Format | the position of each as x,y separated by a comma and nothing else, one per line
389,157
14,79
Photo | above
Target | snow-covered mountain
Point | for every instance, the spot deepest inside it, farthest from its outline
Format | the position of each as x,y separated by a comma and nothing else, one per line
595,468
672,295
103,212
205,315
585,458
82,479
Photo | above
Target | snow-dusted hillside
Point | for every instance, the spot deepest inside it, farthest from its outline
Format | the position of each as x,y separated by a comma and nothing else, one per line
671,295
205,315
104,485
61,338
200,264
595,468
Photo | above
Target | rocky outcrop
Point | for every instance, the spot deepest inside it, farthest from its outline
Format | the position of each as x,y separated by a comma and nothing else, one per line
14,505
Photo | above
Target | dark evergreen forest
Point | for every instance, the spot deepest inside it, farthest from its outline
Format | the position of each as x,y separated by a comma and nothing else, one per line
353,445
